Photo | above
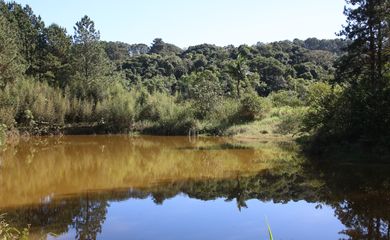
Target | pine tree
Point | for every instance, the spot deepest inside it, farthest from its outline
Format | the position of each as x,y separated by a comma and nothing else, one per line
89,60
368,29
11,66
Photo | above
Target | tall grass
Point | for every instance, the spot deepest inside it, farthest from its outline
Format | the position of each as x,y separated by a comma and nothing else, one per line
7,232
3,129
271,237
33,104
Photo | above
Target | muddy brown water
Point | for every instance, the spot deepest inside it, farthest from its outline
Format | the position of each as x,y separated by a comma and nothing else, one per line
147,187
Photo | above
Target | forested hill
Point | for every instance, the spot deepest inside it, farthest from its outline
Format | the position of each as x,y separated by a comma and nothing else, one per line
273,64
49,53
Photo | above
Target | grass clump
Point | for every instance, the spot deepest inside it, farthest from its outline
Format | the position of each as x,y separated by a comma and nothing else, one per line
7,232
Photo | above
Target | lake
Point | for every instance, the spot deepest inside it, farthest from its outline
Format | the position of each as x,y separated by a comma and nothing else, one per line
144,187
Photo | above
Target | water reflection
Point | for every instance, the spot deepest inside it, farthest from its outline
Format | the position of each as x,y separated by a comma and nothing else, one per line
64,185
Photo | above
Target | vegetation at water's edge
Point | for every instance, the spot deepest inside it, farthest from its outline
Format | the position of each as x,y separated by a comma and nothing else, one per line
335,91
355,111
7,232
52,79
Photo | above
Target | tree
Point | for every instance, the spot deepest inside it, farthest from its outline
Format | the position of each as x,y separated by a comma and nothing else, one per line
28,29
360,112
272,72
10,60
57,53
89,59
138,49
160,47
117,51
368,29
239,70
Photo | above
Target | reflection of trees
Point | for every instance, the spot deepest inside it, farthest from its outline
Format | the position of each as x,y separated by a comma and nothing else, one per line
238,193
360,196
363,224
361,199
92,215
31,171
86,214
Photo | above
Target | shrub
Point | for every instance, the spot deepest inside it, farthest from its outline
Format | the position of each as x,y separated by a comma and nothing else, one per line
253,106
204,89
80,111
8,106
291,120
150,105
175,119
285,98
226,113
46,103
118,109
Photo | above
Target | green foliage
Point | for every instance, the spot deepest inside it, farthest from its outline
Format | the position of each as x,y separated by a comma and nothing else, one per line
173,118
285,98
28,29
50,78
80,111
10,61
323,100
160,47
56,67
358,112
291,120
9,103
253,106
45,103
118,109
226,113
272,72
89,61
204,89
239,70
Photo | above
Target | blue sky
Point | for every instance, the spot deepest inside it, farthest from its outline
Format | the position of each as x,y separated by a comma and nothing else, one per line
190,22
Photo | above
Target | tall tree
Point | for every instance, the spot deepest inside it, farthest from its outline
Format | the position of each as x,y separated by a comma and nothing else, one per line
368,29
56,55
239,71
89,58
29,30
160,47
10,61
361,111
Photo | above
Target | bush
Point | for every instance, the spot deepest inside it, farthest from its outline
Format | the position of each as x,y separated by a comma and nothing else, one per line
285,98
291,121
253,107
204,89
151,106
118,109
46,104
80,111
8,106
175,119
226,113
323,100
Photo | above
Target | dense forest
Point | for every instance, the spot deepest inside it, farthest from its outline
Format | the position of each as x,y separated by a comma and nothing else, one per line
331,90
